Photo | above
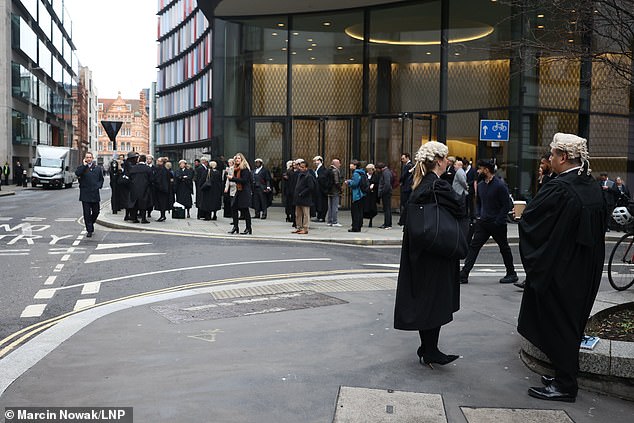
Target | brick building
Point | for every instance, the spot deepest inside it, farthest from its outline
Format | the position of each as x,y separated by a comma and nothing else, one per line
134,134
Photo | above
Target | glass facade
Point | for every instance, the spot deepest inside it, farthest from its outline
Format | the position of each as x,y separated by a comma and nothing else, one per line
184,83
43,76
373,82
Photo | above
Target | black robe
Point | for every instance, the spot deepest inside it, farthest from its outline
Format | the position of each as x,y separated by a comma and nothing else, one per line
162,199
211,194
369,206
562,246
183,181
428,287
140,185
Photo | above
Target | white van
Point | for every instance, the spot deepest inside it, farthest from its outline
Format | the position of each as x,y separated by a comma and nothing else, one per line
54,166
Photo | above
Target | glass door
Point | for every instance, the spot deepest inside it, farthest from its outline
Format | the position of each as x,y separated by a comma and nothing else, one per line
269,145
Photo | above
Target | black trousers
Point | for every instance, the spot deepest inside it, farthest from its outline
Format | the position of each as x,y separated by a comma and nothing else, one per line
481,234
259,201
404,199
321,205
357,214
91,211
246,213
386,200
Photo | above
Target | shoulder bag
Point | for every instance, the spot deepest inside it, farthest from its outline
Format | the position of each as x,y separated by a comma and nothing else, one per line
437,230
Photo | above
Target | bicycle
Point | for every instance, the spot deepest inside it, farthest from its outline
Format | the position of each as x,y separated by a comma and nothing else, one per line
621,262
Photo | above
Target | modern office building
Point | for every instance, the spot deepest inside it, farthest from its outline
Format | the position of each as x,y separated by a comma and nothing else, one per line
183,90
38,76
371,79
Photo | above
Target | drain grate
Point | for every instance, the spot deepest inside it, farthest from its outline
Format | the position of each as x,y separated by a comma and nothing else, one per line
514,415
211,309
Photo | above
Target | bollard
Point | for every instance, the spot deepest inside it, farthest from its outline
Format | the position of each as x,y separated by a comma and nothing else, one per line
24,178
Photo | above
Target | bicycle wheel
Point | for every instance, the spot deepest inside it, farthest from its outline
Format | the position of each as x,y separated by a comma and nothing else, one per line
621,264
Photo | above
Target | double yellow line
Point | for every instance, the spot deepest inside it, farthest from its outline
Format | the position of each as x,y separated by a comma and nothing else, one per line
17,338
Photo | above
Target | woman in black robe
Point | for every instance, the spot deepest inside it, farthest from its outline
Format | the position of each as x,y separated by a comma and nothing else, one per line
242,201
428,287
184,185
213,190
370,204
161,197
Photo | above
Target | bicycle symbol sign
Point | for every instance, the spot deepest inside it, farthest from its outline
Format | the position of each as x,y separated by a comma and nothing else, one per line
494,130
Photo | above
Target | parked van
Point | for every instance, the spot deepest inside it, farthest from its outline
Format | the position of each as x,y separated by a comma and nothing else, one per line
54,166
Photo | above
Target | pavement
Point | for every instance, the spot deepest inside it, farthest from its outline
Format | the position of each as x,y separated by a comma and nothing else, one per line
291,348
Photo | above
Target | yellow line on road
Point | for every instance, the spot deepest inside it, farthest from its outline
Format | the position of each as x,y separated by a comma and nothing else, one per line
26,333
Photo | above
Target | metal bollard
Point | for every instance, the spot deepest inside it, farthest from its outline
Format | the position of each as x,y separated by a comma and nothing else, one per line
24,178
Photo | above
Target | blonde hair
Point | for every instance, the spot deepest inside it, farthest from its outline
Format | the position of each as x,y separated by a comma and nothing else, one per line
244,164
426,159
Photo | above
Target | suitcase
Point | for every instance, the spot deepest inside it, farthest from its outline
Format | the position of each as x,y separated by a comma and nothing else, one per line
178,213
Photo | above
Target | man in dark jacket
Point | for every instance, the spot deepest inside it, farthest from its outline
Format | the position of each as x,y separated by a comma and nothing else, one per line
304,192
406,185
115,173
90,176
261,189
18,174
140,183
200,177
493,204
322,176
385,194
562,246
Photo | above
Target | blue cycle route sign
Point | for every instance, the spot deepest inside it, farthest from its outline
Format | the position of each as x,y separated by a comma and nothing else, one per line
494,130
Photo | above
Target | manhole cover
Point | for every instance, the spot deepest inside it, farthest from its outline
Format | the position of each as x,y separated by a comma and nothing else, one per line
210,309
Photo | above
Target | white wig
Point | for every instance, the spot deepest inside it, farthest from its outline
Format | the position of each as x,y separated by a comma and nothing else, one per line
429,151
575,147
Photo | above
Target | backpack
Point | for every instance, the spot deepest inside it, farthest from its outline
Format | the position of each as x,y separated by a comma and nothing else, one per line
364,184
395,181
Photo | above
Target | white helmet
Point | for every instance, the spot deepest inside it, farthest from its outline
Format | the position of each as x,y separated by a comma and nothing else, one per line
622,216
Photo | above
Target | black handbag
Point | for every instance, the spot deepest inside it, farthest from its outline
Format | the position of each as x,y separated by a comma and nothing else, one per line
436,230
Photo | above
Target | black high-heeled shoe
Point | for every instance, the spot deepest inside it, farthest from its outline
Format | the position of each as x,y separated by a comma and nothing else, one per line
437,358
235,230
247,231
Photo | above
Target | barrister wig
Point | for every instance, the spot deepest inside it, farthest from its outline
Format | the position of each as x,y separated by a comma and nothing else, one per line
426,159
576,148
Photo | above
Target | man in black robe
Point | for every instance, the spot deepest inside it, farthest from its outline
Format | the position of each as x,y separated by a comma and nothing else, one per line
562,246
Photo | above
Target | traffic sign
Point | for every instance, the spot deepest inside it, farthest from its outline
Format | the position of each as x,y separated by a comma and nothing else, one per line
494,130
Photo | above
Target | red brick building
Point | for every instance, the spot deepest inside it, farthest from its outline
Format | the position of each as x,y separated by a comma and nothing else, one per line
134,134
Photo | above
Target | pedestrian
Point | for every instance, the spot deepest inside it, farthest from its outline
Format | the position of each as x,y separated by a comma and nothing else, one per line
384,194
287,191
90,176
428,289
149,161
18,174
242,201
610,194
451,170
184,185
623,189
406,185
562,247
114,171
459,184
200,175
229,189
321,193
334,193
547,171
141,179
161,189
125,185
6,171
493,203
357,183
261,189
370,209
305,187
292,183
212,192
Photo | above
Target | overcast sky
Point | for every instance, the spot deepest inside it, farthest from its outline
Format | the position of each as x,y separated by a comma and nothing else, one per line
116,39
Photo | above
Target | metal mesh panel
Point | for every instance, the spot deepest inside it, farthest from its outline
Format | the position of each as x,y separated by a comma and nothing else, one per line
268,143
479,84
610,91
608,145
269,90
372,88
559,84
337,144
550,123
327,89
415,87
305,139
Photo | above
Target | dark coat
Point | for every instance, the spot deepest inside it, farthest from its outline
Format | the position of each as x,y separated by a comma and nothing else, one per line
184,186
428,287
369,207
562,246
262,185
200,176
406,177
212,189
90,182
115,173
242,199
305,187
140,184
162,198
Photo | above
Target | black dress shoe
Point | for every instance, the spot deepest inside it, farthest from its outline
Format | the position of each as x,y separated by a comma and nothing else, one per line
161,219
89,235
551,392
135,221
247,231
521,285
145,221
512,278
547,380
437,358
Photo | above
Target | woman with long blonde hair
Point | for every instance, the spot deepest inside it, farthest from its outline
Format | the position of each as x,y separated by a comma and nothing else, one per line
242,200
428,287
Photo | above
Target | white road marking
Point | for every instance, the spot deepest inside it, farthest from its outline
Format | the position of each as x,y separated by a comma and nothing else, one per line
5,219
34,310
84,303
33,219
96,258
50,280
76,243
65,258
91,288
122,245
58,268
45,294
16,251
66,219
14,254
